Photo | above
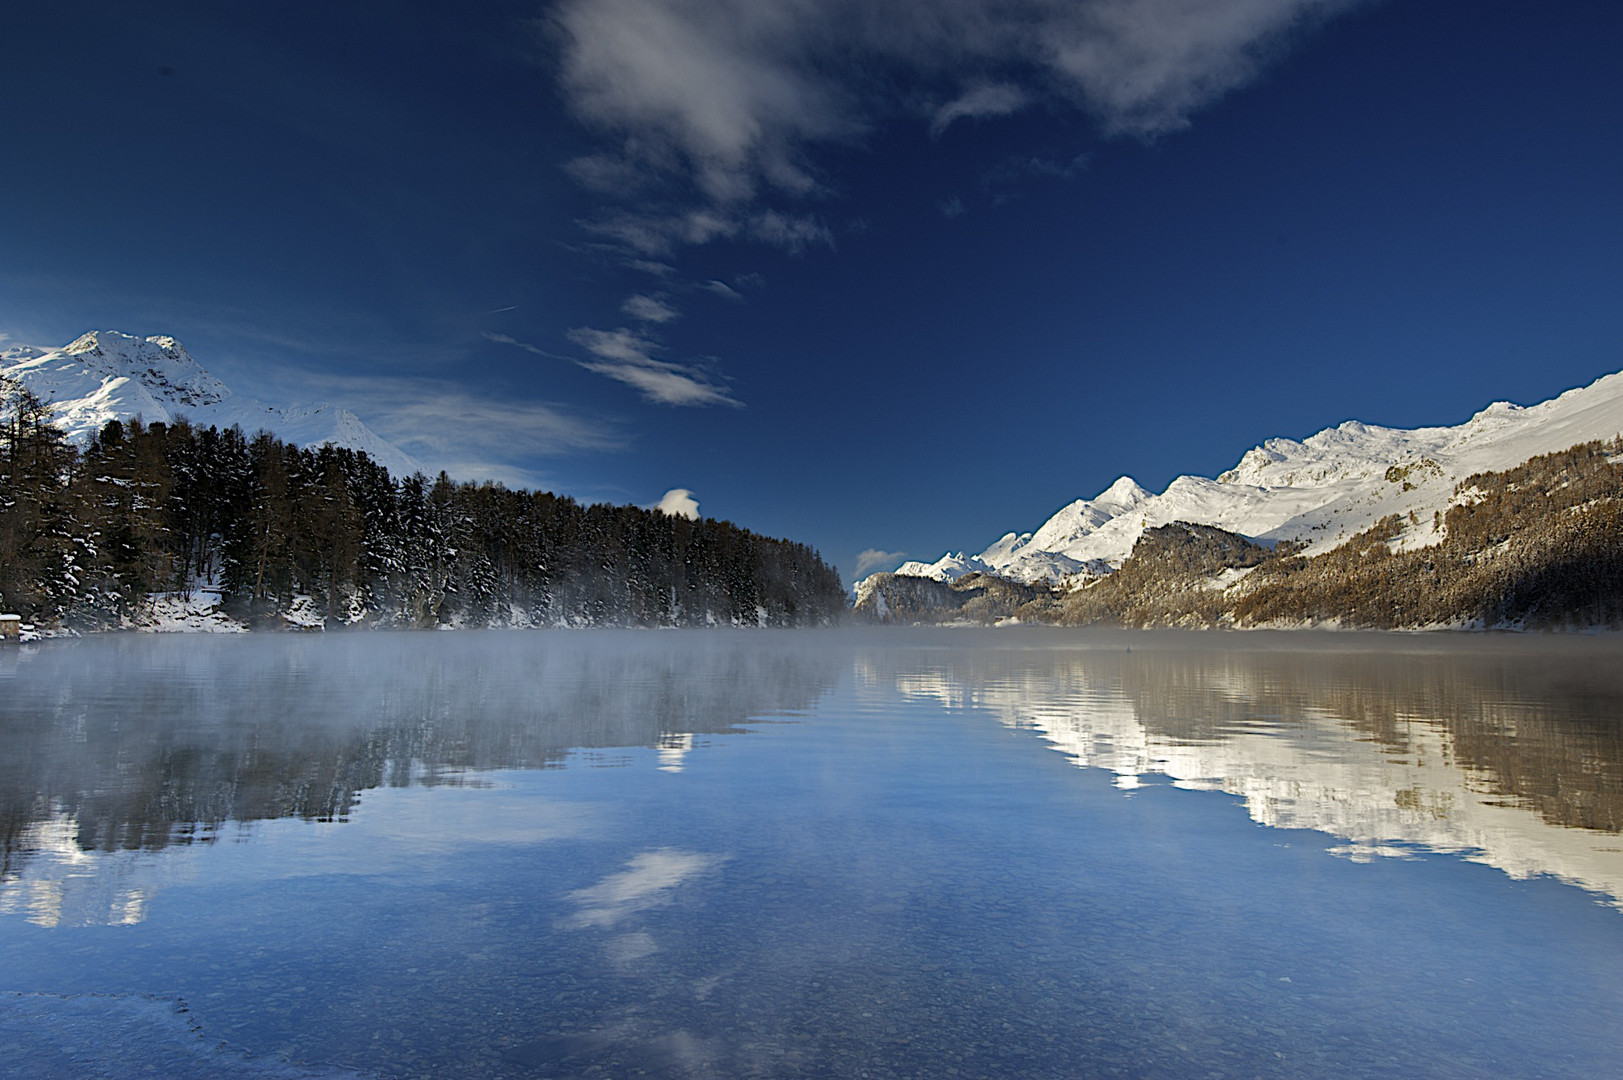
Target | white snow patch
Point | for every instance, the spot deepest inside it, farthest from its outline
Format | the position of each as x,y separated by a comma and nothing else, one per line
194,611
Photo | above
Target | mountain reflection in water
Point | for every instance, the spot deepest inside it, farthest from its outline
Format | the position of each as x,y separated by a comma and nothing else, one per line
812,854
1509,751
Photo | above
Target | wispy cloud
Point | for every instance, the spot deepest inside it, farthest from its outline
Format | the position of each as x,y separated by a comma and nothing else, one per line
1144,67
631,357
606,174
873,559
986,99
649,309
662,233
649,266
711,117
792,232
504,339
470,436
443,419
658,233
733,99
722,289
1017,168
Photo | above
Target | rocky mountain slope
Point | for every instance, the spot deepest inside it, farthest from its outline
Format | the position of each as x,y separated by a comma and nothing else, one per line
1318,492
106,375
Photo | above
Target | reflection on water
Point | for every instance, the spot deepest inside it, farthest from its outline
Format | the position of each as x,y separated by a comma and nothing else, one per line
131,743
812,855
1474,747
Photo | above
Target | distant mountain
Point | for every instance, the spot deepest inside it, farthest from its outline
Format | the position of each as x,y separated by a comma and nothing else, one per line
1320,492
105,375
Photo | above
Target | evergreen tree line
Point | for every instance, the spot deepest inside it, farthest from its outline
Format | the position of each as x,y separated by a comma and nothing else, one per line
86,538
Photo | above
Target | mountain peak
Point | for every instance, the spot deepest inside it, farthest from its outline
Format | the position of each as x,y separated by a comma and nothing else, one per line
108,375
90,342
117,343
160,363
1125,493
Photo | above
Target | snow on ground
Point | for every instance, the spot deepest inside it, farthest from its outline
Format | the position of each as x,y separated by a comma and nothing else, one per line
191,612
305,614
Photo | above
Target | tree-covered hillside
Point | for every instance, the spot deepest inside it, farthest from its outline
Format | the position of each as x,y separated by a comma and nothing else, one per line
1540,545
1537,545
86,538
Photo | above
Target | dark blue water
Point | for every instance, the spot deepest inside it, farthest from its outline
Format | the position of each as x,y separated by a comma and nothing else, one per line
820,855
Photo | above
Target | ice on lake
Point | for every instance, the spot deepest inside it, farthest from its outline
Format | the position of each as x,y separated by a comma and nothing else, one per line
819,854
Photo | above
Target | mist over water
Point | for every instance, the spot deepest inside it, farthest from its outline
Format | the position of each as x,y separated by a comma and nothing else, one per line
825,853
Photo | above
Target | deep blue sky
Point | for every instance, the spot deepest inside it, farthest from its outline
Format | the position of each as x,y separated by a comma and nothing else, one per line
921,280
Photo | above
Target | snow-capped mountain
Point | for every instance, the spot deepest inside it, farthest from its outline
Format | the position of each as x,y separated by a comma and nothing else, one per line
105,375
1321,490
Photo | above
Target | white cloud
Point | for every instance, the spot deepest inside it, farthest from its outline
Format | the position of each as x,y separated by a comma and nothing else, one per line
873,559
649,309
731,98
792,232
606,174
652,233
710,114
503,339
719,88
1144,66
629,356
722,289
620,346
679,502
661,233
986,99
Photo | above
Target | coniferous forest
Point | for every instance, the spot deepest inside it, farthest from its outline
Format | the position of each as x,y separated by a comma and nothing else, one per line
88,537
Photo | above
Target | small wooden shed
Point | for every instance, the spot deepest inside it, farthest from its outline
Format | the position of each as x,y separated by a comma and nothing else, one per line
11,627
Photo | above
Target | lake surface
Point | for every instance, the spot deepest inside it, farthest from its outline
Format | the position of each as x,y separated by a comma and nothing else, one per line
812,854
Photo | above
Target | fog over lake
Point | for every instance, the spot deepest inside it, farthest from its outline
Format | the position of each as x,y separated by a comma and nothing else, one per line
1033,853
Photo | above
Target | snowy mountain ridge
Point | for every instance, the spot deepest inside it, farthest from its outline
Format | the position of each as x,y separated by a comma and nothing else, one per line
1321,490
106,375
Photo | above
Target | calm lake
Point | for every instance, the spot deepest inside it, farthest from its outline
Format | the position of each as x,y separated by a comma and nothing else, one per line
1031,853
